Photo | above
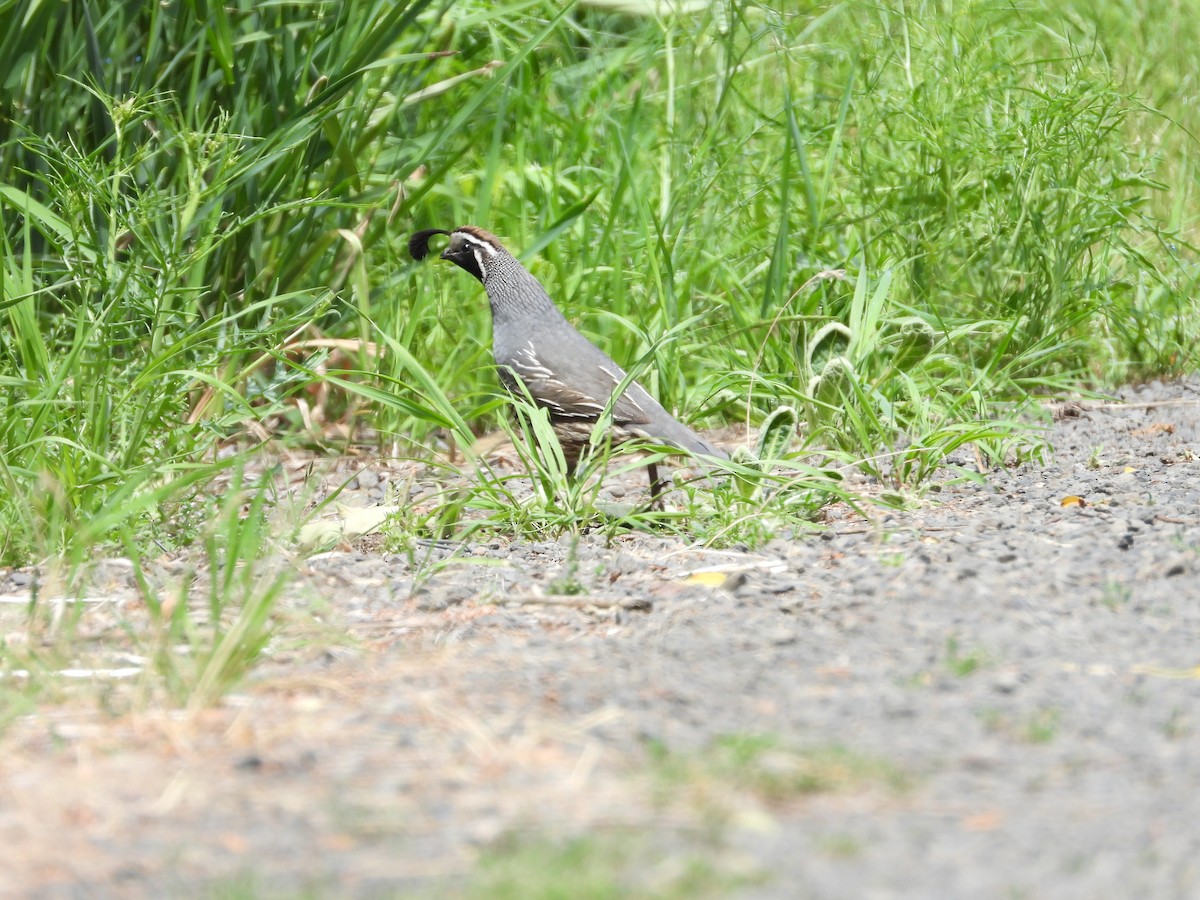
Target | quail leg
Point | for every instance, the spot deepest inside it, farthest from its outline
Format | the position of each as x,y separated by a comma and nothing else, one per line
657,489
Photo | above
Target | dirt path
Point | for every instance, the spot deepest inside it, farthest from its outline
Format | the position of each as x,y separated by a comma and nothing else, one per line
993,695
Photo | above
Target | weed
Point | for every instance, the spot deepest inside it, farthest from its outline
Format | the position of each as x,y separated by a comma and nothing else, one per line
842,846
1042,726
568,582
1116,595
1039,727
764,766
1178,724
963,664
610,864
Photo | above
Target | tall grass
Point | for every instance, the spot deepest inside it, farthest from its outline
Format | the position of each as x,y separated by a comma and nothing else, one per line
192,191
997,169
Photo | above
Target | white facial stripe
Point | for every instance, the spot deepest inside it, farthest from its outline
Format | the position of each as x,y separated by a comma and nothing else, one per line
479,262
476,242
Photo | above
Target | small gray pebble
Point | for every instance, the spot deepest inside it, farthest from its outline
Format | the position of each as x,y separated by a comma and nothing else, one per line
1006,681
793,604
427,601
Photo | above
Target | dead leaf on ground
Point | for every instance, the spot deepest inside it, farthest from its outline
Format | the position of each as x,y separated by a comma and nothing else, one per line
984,821
1154,428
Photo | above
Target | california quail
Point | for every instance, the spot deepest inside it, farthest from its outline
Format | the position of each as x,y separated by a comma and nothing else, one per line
562,370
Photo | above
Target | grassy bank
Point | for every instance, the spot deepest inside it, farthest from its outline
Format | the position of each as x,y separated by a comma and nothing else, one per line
902,220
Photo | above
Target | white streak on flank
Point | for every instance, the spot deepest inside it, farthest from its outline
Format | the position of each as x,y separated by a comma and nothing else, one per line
582,404
531,365
611,374
616,381
576,411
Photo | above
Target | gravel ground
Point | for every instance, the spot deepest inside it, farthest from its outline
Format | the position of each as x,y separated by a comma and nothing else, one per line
995,694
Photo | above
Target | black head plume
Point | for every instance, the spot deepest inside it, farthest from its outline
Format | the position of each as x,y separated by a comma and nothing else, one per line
418,244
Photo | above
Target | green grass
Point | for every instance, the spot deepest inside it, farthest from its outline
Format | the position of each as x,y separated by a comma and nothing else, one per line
962,662
903,221
606,865
1039,727
763,766
194,632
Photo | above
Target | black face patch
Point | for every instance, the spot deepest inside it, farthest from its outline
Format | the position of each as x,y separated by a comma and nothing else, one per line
464,257
470,252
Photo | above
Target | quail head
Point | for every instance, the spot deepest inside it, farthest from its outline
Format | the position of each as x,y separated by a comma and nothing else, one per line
564,373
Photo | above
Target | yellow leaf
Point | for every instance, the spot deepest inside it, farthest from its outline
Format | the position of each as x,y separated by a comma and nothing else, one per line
707,579
1160,672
